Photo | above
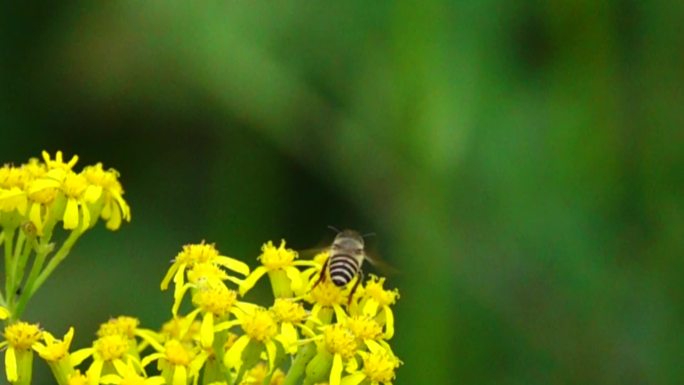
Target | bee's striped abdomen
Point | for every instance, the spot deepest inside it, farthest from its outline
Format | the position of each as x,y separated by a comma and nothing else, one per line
343,268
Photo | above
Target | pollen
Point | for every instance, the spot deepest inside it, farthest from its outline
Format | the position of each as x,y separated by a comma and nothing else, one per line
340,340
177,354
197,253
274,258
364,327
100,177
379,366
286,310
327,294
22,335
215,299
121,325
260,325
375,291
111,347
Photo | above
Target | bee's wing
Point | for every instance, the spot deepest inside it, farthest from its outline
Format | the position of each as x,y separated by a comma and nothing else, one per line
380,264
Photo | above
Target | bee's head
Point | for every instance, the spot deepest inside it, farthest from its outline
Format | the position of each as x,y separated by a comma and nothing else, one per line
349,240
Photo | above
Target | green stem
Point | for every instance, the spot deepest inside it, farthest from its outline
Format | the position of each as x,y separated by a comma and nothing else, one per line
8,234
33,283
299,365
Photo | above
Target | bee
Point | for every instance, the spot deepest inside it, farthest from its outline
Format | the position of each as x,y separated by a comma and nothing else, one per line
346,256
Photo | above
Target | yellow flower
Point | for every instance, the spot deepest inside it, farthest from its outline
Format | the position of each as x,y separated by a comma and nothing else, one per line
260,327
378,367
106,189
179,363
56,353
280,263
290,314
336,347
108,352
20,338
375,302
327,295
192,255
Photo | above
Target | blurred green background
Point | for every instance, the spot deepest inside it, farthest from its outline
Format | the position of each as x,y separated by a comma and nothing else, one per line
520,162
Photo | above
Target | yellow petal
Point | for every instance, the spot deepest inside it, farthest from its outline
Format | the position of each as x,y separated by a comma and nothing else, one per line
71,215
233,264
180,375
78,356
114,221
251,280
336,370
207,330
289,336
4,313
11,365
271,352
110,379
167,278
389,323
295,277
233,357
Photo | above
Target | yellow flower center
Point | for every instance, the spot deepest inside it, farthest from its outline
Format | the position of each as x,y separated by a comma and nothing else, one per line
364,327
286,310
340,340
379,365
207,272
111,347
383,297
12,177
215,299
121,325
177,354
260,325
99,177
74,185
197,253
22,335
327,294
274,258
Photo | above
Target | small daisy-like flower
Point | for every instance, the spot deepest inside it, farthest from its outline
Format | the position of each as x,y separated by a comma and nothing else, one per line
378,367
77,378
128,327
179,363
279,263
327,295
56,353
290,314
106,189
20,339
107,352
338,344
375,302
365,328
192,255
260,327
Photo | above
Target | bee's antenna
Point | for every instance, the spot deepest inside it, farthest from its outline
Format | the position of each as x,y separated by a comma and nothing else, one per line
368,235
333,228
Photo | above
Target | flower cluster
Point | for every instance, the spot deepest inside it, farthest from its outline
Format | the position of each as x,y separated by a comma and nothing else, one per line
312,332
37,196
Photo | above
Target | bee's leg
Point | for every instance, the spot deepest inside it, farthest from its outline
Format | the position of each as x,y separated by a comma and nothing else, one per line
321,276
359,278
